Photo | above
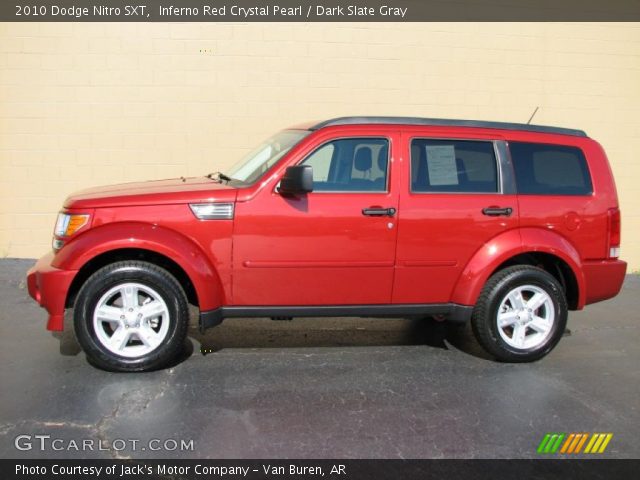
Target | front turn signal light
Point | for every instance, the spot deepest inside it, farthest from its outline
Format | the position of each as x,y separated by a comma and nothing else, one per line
68,224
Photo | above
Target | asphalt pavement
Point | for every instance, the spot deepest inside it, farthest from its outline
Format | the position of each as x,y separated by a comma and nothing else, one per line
318,388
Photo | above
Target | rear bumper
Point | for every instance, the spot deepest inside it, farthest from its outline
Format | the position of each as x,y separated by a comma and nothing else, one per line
603,279
49,286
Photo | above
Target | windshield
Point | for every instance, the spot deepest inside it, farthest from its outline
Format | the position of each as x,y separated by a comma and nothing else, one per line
265,156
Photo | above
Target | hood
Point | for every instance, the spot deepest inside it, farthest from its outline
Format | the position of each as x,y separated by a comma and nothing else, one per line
156,192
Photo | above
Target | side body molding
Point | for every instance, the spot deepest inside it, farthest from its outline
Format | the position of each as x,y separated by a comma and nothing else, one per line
139,235
507,245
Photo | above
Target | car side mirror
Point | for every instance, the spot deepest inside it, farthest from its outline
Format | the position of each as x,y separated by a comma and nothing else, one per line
297,179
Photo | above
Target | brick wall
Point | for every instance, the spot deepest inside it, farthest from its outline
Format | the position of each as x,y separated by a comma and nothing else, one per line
91,104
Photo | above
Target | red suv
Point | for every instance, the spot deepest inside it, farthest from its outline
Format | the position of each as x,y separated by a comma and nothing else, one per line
506,225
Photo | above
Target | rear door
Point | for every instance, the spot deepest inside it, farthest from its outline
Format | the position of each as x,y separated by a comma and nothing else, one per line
452,202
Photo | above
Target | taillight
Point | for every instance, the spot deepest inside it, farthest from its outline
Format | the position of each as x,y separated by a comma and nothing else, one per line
614,233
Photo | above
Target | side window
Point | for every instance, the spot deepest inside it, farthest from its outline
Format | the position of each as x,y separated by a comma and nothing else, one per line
543,169
320,160
350,165
455,166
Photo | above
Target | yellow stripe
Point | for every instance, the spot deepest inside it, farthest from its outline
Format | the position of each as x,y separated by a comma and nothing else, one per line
574,443
606,442
594,437
596,445
566,443
584,439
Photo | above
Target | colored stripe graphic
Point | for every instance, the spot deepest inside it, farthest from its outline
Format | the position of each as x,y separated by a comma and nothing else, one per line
567,442
543,443
551,442
582,440
592,440
577,442
607,439
598,443
572,443
556,445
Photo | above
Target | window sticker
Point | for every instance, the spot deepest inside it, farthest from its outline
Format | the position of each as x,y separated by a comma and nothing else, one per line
441,163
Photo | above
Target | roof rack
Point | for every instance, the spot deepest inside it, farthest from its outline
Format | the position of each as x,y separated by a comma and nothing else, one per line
444,122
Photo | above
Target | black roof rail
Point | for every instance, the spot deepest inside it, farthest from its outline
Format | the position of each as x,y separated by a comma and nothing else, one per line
445,122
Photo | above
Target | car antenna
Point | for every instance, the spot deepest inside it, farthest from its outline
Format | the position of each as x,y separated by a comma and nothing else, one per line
532,115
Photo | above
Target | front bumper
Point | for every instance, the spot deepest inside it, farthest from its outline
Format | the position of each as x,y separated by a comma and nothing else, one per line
603,279
49,287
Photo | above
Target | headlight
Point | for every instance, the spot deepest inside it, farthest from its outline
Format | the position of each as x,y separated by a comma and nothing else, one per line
67,225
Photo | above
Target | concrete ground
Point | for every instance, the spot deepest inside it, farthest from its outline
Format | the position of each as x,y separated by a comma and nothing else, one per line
320,388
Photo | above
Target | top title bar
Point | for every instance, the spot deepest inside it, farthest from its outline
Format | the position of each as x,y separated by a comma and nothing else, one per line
317,10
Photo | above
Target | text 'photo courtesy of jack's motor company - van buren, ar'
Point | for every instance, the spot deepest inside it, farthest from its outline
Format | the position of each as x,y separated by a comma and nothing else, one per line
128,471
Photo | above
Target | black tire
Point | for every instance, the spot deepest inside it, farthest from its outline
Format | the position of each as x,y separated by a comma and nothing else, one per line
484,320
148,275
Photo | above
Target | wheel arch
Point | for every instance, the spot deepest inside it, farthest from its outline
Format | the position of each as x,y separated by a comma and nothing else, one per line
537,247
553,265
171,250
124,254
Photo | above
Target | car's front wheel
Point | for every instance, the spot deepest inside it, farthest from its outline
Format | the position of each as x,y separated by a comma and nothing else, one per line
131,316
520,315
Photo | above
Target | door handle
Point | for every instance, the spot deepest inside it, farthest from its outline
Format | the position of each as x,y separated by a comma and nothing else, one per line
497,211
379,212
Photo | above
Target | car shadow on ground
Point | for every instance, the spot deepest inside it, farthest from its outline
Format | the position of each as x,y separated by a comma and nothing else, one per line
336,332
315,333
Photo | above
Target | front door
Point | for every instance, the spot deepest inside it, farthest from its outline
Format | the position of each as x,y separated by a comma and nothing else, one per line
333,246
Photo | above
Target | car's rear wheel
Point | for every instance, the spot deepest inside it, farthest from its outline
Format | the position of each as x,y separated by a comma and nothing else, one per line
131,316
520,315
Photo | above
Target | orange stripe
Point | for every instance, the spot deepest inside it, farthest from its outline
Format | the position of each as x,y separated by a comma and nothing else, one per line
574,443
567,442
584,439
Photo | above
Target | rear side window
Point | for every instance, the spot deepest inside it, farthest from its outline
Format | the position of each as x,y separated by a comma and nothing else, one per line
550,169
456,166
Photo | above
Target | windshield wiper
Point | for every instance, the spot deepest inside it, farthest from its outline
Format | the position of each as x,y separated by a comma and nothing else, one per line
219,176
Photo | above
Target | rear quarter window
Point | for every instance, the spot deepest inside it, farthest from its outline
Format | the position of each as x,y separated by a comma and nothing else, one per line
543,169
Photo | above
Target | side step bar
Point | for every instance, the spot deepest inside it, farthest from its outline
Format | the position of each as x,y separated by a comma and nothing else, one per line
451,311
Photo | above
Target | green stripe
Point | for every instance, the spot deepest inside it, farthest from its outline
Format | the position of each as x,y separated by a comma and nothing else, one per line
558,443
550,443
543,443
